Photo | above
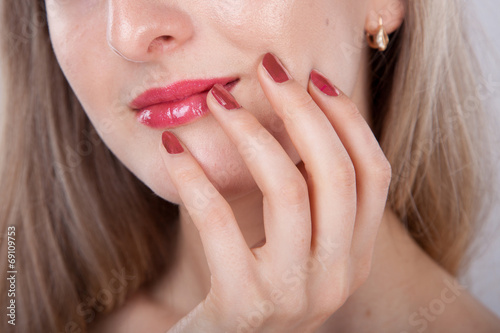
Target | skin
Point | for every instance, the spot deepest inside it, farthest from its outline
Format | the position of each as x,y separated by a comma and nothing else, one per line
252,221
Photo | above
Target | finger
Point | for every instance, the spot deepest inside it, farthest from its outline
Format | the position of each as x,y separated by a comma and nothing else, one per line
373,171
287,219
331,177
225,248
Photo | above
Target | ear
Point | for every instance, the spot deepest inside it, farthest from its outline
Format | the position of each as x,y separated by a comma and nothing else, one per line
391,11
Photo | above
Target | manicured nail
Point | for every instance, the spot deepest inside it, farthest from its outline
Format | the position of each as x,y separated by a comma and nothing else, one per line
171,143
323,84
274,68
224,97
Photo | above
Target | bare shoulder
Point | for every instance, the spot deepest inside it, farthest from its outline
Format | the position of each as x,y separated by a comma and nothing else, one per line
456,310
430,299
440,303
139,314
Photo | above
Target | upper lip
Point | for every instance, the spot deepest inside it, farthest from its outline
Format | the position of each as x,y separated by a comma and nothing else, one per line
176,91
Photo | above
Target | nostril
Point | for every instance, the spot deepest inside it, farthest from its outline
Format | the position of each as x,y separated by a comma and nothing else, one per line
160,42
165,38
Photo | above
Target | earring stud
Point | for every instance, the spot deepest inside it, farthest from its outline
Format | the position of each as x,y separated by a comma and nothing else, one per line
380,40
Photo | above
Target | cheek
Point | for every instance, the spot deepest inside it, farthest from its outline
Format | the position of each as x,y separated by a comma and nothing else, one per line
80,47
75,49
91,71
304,34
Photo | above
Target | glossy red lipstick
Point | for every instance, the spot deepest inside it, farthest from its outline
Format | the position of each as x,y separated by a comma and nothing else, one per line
176,104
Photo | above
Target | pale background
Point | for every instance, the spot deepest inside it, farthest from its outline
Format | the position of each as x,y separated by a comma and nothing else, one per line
483,277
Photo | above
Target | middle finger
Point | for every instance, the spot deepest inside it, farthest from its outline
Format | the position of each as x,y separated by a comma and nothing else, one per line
330,171
287,219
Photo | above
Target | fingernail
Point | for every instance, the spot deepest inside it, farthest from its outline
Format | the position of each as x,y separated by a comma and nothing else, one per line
323,84
224,98
275,69
171,143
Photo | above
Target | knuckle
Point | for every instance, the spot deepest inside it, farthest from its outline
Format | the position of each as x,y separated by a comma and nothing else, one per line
363,271
361,277
245,123
301,104
382,170
352,110
295,310
325,304
257,301
342,294
217,216
305,101
293,192
346,173
335,296
187,175
322,315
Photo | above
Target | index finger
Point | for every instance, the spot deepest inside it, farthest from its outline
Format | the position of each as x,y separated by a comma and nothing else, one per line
225,247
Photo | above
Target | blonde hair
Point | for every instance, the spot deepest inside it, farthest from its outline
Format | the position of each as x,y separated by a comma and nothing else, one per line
82,218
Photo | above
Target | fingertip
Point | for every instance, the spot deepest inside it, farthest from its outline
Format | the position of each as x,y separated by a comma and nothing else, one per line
223,98
171,143
275,68
321,83
272,73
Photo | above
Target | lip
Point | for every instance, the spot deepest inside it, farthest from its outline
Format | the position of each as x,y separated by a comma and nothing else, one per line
177,104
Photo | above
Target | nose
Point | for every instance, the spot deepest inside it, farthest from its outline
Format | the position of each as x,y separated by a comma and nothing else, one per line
142,31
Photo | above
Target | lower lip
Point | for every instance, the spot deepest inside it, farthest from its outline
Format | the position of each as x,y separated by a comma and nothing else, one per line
174,114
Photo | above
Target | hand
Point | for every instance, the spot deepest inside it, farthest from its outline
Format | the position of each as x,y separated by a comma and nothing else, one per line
320,223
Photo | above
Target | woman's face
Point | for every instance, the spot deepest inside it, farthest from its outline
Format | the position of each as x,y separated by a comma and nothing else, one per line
112,51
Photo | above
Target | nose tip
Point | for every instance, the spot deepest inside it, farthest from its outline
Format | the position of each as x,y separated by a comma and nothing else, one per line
142,31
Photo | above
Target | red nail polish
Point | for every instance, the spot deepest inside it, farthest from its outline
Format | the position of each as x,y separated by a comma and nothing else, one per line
274,68
323,84
224,97
171,143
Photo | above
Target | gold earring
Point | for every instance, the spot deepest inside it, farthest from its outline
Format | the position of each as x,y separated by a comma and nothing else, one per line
381,39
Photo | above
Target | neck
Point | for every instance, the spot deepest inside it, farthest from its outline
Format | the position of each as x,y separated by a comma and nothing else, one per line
403,278
188,281
397,263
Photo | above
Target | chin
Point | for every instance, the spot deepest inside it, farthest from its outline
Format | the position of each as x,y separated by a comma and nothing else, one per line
229,175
